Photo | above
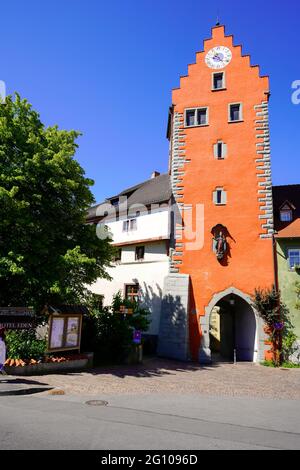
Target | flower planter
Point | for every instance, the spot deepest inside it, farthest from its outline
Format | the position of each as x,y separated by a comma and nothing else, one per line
135,356
81,363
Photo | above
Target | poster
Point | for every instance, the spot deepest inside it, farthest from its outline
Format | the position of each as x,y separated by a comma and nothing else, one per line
2,353
57,333
72,337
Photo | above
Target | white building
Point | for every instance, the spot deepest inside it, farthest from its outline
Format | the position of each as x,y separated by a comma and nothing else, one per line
138,219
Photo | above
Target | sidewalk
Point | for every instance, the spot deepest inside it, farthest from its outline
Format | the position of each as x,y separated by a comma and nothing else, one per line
163,376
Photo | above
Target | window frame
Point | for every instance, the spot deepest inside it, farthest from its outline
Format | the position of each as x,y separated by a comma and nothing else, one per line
213,81
131,227
133,224
224,149
137,248
129,296
241,116
292,268
195,116
124,225
116,259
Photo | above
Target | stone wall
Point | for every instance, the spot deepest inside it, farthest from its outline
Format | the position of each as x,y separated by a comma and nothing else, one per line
173,341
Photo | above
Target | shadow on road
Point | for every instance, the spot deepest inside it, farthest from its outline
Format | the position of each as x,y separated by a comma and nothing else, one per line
151,367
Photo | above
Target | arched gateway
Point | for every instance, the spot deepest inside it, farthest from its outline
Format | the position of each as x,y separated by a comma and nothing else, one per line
231,328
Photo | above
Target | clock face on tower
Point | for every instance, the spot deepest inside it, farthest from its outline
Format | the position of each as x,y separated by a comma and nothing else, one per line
218,57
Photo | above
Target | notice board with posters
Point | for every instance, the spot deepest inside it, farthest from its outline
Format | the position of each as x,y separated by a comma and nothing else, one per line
17,318
64,329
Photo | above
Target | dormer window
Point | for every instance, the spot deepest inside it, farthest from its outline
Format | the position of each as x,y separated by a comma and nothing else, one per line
286,212
286,215
115,202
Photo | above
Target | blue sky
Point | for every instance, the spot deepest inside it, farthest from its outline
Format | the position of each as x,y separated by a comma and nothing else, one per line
107,69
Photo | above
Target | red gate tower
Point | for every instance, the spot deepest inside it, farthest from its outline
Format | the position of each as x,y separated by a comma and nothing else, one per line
221,178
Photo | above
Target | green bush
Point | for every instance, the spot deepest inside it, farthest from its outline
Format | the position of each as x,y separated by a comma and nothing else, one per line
24,345
109,333
286,364
288,342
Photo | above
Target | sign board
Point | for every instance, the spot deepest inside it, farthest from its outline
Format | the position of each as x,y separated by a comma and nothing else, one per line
64,332
137,337
125,310
16,318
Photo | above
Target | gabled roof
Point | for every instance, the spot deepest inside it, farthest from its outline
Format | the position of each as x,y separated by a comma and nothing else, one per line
287,194
287,205
153,191
291,231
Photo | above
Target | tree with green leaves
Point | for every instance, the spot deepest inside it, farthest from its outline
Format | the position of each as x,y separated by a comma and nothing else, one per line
47,251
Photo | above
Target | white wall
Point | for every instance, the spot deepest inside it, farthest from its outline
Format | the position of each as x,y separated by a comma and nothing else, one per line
153,225
149,274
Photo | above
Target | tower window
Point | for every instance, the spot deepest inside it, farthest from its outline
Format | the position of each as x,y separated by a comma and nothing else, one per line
218,81
219,197
202,116
196,117
235,112
190,118
220,150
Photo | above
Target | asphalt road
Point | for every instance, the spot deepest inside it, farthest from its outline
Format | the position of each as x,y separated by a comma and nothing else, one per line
148,422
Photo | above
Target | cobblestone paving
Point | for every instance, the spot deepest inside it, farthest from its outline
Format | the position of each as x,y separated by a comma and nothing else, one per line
167,376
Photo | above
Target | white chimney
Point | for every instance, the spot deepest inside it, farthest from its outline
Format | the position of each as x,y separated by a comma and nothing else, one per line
154,174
